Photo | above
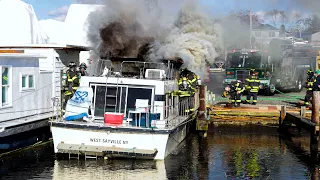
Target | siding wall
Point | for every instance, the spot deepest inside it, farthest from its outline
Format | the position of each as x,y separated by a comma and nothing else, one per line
47,81
31,102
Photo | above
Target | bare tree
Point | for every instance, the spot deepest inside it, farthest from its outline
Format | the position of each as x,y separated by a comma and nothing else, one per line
244,17
273,16
283,17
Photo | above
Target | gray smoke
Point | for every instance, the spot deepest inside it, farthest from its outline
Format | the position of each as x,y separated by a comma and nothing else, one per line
158,28
311,5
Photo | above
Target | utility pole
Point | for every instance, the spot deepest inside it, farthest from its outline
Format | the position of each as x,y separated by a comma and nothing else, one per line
250,29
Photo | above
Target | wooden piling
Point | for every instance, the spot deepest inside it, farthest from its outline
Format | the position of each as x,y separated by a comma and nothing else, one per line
315,107
314,134
202,98
303,111
283,113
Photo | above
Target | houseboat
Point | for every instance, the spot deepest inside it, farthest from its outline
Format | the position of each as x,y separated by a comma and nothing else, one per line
132,112
30,79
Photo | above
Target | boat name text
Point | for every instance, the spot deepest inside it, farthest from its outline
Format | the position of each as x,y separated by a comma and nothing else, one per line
110,141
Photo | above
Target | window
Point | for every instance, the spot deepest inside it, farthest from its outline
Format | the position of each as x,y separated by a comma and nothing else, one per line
5,85
27,82
257,34
272,34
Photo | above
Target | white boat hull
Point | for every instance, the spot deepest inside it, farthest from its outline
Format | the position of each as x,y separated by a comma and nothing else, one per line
164,141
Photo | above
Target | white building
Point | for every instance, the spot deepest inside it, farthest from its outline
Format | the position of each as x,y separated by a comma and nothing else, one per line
315,37
264,33
73,31
30,69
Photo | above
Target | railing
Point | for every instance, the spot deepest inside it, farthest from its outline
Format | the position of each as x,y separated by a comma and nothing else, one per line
175,112
167,67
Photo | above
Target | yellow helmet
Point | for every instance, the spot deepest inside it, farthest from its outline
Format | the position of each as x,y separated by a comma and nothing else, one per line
198,77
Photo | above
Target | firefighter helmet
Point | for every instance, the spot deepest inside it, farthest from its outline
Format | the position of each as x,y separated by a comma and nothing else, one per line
72,64
252,71
83,65
309,72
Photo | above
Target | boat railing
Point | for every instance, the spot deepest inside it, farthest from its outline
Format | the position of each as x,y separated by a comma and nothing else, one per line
174,113
143,66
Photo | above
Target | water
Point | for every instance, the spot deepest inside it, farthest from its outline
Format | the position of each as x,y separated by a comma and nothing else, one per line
235,154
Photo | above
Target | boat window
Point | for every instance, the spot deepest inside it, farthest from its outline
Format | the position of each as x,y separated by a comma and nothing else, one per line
107,101
137,93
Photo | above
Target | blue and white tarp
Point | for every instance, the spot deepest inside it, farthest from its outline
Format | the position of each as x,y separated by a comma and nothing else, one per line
78,106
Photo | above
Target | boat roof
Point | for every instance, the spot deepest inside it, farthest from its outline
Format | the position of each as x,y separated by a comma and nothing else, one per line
53,46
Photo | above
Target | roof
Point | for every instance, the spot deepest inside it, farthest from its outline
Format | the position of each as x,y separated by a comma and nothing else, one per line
19,24
56,30
53,46
266,27
76,21
74,29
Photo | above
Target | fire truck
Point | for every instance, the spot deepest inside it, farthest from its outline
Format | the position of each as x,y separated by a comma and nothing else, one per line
282,66
239,62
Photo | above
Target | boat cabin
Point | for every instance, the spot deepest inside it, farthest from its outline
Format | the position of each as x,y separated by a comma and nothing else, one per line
132,87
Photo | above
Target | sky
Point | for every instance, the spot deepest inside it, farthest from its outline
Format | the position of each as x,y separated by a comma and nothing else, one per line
57,9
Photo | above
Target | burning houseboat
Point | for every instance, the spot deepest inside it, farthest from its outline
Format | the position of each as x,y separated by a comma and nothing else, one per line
133,112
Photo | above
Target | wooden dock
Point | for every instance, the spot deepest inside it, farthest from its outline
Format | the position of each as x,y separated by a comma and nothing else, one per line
302,121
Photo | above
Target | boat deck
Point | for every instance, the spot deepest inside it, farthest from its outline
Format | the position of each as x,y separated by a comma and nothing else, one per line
171,124
19,125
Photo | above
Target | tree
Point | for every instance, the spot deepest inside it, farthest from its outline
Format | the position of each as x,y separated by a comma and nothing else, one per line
283,17
273,16
314,24
244,17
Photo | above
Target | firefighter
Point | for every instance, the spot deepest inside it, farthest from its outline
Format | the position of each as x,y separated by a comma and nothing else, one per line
316,85
72,83
252,86
239,88
184,93
231,91
309,85
192,80
83,69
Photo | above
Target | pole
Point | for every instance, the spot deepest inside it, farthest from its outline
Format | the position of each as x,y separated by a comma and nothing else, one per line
314,135
282,117
250,29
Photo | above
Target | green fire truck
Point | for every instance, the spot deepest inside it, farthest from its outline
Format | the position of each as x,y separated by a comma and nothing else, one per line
282,67
240,61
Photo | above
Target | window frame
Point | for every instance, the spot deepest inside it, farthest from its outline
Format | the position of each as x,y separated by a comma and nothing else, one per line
256,34
27,88
9,85
272,34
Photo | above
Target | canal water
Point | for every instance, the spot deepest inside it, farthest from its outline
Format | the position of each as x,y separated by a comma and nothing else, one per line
226,153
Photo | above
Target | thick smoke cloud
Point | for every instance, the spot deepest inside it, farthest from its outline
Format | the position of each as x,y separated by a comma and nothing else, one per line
311,5
156,29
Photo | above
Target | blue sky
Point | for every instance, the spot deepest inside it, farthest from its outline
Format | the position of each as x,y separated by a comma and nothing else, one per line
46,9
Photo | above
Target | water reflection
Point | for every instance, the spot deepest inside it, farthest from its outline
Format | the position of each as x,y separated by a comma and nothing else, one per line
222,155
113,169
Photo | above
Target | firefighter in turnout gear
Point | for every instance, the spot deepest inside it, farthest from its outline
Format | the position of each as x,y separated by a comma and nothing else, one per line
83,69
252,86
72,83
234,90
309,85
239,88
185,92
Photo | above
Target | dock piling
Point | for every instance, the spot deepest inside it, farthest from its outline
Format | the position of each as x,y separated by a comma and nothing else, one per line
315,107
303,111
283,113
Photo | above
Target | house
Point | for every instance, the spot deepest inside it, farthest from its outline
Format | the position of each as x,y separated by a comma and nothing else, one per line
263,33
315,37
30,73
